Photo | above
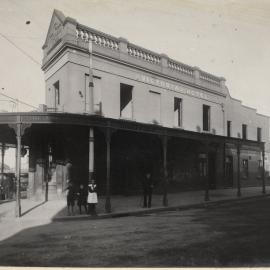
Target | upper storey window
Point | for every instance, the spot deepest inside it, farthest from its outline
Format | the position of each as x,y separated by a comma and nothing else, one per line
259,134
229,125
206,117
244,131
177,112
154,107
126,101
56,93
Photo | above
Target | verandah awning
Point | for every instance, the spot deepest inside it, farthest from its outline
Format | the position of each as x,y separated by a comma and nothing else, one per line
60,119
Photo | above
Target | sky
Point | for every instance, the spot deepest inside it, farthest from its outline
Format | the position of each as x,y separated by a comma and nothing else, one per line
226,38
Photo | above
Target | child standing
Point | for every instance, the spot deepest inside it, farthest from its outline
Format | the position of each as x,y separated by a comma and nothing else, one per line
82,198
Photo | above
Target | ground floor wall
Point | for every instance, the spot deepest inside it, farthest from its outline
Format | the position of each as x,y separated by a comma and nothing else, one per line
59,153
51,150
250,166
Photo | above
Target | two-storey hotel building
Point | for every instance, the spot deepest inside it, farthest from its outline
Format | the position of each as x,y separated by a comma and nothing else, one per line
114,110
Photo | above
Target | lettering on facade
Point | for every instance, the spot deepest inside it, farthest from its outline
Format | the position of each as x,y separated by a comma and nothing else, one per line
55,33
171,86
8,119
35,118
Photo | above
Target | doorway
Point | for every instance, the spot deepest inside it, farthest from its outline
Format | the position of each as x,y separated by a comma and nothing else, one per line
229,171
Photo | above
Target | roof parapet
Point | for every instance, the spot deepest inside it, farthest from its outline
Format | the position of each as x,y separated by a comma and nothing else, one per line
120,48
123,46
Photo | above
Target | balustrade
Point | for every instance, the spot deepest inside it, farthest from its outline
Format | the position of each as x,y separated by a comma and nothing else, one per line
143,54
113,43
97,38
209,78
180,68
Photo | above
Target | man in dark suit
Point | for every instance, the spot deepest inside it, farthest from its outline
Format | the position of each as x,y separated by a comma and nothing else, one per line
70,197
148,186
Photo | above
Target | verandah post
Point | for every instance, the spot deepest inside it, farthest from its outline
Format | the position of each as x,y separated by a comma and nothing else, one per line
19,129
91,154
165,195
108,172
263,169
18,171
206,195
238,170
2,161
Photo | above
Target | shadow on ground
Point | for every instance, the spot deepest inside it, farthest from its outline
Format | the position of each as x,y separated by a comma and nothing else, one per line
32,208
63,212
230,235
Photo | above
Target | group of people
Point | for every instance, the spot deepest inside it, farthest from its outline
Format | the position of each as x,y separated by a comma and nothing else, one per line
86,197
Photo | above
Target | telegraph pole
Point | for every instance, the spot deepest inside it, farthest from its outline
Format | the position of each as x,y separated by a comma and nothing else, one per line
18,171
91,81
90,111
2,161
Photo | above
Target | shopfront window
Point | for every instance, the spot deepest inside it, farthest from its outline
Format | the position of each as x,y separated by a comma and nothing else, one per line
245,168
202,165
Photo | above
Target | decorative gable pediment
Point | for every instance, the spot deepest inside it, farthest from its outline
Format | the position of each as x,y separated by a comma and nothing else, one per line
55,32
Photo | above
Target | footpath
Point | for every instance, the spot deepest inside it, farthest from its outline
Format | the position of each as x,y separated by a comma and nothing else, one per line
56,210
37,213
132,205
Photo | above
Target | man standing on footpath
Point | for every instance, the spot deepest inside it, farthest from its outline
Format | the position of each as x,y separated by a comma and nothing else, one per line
148,186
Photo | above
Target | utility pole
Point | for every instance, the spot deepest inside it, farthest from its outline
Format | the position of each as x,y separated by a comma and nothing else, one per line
91,81
18,171
2,161
90,111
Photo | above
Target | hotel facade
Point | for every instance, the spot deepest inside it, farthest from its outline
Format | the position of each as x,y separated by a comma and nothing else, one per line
115,110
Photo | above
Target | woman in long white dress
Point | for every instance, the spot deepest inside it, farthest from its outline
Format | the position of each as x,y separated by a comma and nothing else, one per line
92,199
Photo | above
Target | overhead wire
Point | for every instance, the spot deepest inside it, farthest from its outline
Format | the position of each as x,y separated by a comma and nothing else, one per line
27,55
8,39
20,49
17,100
